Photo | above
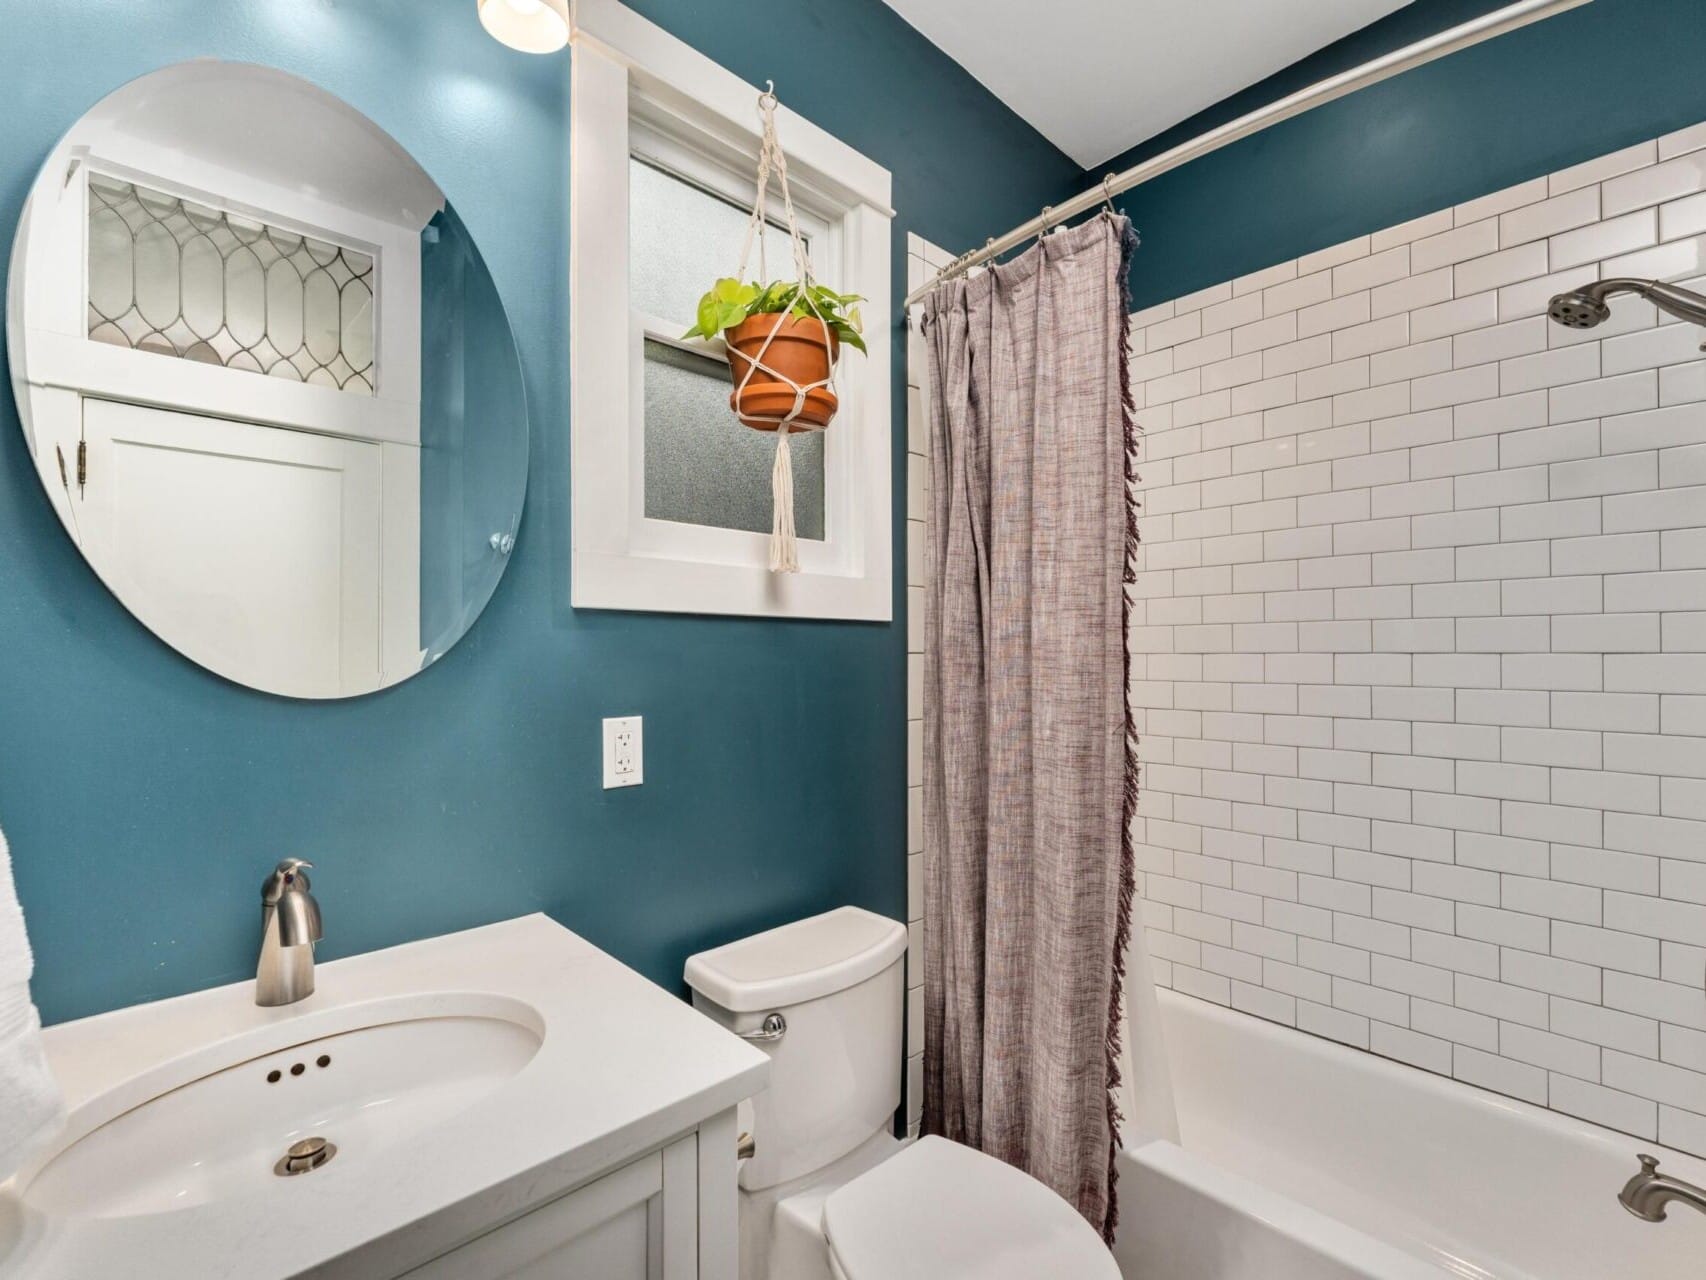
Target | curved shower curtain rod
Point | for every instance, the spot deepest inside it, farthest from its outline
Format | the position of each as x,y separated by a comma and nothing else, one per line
1451,40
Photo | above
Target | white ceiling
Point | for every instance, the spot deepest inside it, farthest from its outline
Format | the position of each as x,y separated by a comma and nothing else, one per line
1096,77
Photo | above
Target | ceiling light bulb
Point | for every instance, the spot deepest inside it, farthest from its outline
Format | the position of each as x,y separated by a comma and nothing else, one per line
532,26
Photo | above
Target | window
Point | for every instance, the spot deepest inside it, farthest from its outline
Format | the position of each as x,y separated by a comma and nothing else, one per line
701,466
671,495
184,279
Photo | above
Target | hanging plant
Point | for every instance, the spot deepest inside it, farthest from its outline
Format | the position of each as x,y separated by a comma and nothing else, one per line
810,325
783,340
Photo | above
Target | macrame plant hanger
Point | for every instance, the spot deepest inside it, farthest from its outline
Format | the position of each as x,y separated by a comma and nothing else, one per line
784,556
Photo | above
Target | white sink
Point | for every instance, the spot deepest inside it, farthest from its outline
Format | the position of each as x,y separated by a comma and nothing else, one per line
470,1080
222,1136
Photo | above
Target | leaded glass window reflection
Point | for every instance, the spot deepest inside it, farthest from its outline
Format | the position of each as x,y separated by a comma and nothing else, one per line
701,465
183,279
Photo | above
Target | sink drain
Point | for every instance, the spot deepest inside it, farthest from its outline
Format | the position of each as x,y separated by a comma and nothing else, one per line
304,1157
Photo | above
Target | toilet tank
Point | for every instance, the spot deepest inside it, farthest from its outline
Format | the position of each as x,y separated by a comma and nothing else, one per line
835,1071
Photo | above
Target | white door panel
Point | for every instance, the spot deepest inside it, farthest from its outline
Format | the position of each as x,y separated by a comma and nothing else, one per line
254,551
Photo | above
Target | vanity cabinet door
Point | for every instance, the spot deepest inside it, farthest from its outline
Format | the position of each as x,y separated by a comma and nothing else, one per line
639,1223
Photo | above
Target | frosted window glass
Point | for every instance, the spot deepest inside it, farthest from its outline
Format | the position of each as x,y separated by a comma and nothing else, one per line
681,238
702,466
181,279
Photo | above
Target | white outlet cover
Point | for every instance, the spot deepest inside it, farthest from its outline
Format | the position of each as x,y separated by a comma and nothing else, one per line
624,752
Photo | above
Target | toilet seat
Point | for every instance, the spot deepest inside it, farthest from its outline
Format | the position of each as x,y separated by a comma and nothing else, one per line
941,1211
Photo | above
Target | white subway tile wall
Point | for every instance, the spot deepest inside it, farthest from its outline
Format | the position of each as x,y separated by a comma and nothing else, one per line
1419,649
922,259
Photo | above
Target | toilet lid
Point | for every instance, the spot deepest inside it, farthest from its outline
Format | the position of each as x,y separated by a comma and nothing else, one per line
941,1211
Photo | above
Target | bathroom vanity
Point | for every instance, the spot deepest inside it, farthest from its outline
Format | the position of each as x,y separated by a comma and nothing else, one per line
504,1102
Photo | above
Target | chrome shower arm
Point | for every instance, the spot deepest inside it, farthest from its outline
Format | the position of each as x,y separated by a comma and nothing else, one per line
1684,304
1604,289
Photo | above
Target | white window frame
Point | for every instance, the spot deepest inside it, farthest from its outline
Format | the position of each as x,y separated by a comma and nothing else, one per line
638,91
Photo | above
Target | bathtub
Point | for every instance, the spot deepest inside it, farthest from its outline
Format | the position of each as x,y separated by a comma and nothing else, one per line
1302,1159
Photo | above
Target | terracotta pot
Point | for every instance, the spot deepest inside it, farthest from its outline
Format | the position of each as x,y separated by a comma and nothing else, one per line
804,349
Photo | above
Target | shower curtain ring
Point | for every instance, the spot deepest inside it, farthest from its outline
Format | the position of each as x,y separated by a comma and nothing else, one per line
1048,219
1107,193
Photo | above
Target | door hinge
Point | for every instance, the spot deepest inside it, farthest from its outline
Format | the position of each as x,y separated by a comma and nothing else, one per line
82,465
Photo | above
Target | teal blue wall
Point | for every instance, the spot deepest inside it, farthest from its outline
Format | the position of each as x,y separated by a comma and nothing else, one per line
145,799
1573,87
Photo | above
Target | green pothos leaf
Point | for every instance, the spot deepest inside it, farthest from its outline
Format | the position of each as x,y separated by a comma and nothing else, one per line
729,302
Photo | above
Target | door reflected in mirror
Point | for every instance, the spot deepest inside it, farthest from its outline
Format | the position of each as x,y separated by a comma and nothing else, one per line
267,381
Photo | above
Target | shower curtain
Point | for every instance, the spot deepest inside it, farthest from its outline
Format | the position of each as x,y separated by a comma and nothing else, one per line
1030,771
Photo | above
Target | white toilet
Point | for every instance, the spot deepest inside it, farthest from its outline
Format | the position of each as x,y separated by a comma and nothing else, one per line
830,1193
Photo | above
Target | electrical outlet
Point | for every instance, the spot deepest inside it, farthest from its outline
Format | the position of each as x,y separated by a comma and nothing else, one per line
624,752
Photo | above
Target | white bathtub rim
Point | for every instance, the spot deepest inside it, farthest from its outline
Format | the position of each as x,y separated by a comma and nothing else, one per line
1408,1077
1309,1228
1236,1142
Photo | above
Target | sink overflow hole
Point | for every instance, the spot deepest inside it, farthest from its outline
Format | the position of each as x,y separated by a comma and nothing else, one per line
304,1157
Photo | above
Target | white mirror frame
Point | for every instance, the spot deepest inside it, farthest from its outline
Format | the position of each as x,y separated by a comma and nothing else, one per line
632,81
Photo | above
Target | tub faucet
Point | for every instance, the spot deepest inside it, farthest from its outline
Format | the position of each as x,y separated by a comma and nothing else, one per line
1649,1191
290,926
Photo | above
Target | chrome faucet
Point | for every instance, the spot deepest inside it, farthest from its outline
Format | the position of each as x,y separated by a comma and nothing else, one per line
290,926
1649,1191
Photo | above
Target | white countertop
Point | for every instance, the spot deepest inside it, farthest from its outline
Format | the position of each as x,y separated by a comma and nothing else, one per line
624,1066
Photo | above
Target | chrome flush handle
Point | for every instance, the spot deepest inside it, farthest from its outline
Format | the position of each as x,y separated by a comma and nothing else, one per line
772,1029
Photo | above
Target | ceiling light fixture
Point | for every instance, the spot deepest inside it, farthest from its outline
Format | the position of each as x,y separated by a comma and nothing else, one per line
532,26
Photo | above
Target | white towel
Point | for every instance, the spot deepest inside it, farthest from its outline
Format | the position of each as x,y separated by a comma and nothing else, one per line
31,1109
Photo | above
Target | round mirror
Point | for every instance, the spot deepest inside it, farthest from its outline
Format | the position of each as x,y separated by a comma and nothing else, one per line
266,380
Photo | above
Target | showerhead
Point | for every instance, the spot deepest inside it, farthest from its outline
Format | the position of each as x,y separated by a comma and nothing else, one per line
1579,309
1586,307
